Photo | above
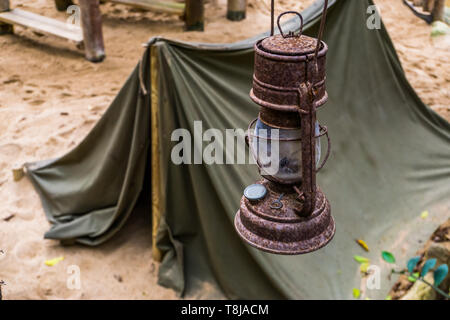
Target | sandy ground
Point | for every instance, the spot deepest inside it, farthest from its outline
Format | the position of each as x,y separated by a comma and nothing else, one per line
51,97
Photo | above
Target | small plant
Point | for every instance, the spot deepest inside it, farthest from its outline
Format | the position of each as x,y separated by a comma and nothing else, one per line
439,273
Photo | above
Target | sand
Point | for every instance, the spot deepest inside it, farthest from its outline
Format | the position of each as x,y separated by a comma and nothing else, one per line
51,97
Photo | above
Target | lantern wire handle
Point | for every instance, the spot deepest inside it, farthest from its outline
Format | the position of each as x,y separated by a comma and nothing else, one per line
291,33
321,30
272,17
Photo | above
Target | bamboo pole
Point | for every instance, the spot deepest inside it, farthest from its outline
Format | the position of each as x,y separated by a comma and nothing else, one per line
62,5
438,12
4,27
236,10
194,15
91,22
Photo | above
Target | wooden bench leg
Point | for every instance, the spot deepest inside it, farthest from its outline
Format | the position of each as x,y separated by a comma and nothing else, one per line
91,22
194,15
62,5
438,12
236,10
428,5
4,27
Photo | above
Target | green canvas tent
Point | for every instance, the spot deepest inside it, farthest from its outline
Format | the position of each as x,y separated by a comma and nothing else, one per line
390,160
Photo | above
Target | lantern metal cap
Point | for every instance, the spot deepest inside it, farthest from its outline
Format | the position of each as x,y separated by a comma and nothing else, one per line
255,192
290,46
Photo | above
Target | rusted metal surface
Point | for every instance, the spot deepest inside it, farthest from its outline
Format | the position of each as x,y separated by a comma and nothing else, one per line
289,85
277,77
282,231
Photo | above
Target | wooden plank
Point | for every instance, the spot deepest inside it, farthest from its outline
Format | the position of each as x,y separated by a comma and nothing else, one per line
154,5
43,24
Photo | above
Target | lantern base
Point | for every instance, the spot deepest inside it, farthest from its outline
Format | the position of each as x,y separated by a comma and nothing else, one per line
282,231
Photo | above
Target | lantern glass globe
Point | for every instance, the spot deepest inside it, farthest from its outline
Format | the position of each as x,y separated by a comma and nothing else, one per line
289,166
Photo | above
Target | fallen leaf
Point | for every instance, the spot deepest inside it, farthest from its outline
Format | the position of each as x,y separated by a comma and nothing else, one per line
361,259
363,244
364,267
9,217
388,257
424,214
356,293
54,261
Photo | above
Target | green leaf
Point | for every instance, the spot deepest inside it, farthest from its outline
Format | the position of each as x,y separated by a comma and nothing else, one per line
361,259
356,293
388,257
439,274
412,263
414,277
429,264
388,298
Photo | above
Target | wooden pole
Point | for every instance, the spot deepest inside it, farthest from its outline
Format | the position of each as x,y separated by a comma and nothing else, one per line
194,15
428,5
236,10
4,27
438,12
4,5
91,22
62,5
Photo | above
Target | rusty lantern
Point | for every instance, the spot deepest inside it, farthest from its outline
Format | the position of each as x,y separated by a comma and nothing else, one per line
285,212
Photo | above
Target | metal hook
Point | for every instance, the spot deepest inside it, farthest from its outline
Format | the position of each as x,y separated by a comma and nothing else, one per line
291,33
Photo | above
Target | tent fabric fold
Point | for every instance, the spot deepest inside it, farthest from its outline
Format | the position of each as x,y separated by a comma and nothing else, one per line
390,160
